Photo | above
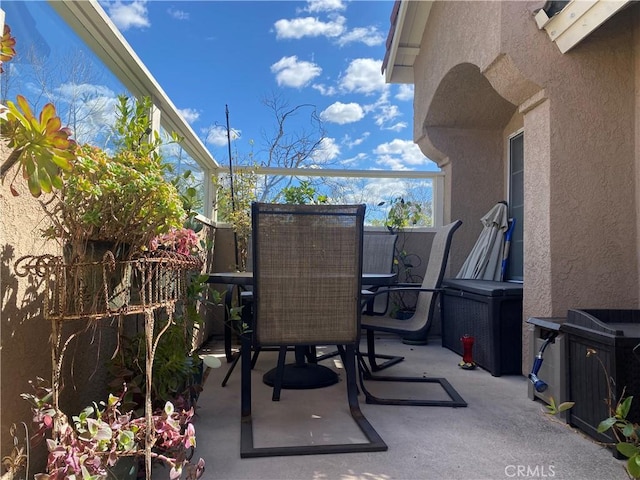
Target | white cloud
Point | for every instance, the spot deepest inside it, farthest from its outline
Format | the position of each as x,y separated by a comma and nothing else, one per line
356,160
130,15
325,90
290,72
327,151
396,127
189,114
95,114
405,92
324,6
400,155
363,76
386,113
309,27
384,189
69,91
350,143
93,106
342,113
217,135
370,36
178,14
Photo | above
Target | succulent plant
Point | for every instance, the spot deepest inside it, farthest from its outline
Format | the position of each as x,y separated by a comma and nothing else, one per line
40,144
7,46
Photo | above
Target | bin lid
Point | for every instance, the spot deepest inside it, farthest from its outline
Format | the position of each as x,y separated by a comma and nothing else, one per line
548,323
615,322
488,288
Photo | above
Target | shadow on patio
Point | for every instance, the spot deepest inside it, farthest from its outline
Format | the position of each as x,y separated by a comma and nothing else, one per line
501,434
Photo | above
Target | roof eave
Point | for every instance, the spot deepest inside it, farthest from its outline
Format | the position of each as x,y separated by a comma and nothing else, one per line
407,27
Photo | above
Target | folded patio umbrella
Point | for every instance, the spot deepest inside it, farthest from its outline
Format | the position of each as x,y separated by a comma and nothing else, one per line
485,259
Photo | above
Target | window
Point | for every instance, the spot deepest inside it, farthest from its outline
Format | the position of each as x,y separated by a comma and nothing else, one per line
516,207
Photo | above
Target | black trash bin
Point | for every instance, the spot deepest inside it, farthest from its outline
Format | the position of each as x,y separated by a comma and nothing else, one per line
614,335
548,337
492,313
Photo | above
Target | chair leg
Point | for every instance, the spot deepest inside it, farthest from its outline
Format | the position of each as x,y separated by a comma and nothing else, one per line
373,356
374,441
311,354
254,358
277,383
245,379
230,370
236,358
364,373
228,331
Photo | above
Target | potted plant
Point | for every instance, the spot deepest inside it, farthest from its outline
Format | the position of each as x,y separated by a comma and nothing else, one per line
93,443
177,370
93,196
122,199
627,435
108,209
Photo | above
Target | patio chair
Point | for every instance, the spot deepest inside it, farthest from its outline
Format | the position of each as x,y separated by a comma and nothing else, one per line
418,324
378,252
245,300
307,267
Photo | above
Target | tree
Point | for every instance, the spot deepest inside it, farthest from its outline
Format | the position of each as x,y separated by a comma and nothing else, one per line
237,210
69,80
288,147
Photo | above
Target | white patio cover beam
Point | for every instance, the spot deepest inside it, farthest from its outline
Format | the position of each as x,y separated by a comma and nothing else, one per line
577,20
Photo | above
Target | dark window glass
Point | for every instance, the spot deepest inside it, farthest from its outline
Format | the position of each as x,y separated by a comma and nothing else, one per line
516,207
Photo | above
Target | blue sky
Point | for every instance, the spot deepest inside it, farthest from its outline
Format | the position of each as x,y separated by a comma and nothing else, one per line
209,54
328,53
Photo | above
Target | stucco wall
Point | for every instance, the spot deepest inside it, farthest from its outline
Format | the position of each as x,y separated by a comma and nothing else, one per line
458,116
24,334
25,351
636,103
578,112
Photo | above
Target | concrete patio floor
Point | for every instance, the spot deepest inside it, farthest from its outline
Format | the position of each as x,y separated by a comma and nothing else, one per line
501,434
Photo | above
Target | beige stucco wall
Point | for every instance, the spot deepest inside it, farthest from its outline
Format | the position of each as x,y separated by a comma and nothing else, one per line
25,351
25,348
24,335
484,64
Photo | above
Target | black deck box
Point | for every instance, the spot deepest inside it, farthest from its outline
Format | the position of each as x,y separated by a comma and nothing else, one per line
492,313
613,335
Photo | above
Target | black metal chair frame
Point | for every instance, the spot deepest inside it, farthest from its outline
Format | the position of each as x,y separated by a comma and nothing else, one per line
367,371
249,341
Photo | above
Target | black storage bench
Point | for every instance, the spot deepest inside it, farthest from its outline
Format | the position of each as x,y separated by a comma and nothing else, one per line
489,311
614,336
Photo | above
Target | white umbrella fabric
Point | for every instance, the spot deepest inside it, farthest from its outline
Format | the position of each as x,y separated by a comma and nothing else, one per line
485,259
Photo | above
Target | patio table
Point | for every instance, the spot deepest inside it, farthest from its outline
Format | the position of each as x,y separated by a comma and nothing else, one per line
301,374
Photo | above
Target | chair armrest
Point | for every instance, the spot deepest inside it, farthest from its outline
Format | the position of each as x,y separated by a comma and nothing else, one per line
401,289
369,295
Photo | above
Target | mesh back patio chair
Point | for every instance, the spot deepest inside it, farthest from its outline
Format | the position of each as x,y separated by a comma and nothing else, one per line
307,266
418,324
378,251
